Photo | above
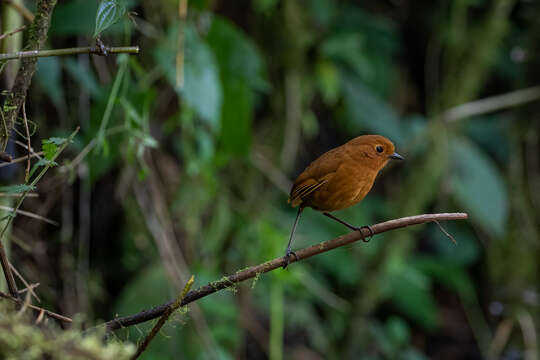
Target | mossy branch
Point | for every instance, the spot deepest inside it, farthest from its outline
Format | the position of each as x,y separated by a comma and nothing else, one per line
37,35
255,271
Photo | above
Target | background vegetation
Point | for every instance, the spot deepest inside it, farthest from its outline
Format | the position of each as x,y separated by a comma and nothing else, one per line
186,151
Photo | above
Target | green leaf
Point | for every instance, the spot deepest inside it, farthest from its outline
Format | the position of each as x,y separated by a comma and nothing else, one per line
448,274
49,149
108,13
72,18
364,110
236,54
40,163
478,186
57,140
411,293
49,77
236,117
16,189
202,88
84,76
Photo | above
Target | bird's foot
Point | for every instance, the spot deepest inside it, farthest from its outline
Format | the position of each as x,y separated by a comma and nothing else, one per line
371,233
288,254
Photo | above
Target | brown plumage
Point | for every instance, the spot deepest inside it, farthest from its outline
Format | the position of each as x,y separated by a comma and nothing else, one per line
341,177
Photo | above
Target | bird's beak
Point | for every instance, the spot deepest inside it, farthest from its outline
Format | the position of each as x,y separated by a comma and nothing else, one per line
396,156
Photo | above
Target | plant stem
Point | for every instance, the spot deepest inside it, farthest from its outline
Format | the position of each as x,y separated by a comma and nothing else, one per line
69,51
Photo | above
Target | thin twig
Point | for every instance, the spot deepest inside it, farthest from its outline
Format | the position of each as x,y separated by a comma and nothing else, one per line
492,104
445,232
12,286
69,51
27,172
20,159
166,314
28,287
37,308
24,146
18,195
276,263
30,215
4,35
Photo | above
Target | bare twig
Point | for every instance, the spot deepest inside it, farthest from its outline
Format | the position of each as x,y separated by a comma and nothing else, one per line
28,287
492,104
166,314
18,195
25,13
30,215
4,35
12,286
37,308
276,263
20,159
70,51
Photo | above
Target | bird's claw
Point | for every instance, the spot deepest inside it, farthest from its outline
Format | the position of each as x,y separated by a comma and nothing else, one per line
371,233
288,254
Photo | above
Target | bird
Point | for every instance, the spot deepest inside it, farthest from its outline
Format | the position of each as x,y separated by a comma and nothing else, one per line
340,178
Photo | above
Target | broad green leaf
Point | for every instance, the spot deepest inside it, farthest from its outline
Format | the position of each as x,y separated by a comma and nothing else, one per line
16,189
236,54
108,13
236,117
348,49
364,110
478,186
411,293
202,88
73,18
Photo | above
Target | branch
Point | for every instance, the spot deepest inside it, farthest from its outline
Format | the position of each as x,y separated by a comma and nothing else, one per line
256,270
492,104
166,314
70,51
21,9
37,308
37,35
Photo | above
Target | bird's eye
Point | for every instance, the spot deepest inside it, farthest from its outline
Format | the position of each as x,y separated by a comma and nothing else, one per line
379,149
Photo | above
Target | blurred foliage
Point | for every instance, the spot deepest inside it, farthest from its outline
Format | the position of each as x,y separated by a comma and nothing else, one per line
167,178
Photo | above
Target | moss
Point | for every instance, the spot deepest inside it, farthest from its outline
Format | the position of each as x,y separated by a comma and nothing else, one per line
20,338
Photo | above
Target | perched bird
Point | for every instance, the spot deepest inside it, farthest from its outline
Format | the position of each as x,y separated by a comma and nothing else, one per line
341,178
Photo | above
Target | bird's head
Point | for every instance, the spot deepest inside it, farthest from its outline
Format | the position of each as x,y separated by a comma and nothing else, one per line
374,150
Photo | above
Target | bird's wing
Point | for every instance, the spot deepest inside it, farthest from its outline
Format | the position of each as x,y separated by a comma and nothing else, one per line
318,173
303,189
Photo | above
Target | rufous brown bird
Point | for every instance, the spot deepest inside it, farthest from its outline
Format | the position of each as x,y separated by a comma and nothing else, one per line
341,178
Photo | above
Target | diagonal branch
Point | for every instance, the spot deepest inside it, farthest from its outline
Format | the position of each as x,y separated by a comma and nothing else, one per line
256,270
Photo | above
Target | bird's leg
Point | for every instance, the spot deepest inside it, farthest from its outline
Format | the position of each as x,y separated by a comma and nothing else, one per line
288,253
371,233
